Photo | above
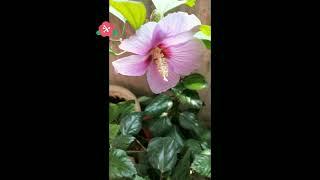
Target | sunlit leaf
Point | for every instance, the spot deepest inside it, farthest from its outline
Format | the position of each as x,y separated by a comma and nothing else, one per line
116,13
134,12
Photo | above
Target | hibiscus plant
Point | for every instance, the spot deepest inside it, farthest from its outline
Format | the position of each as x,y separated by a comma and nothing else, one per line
163,141
166,140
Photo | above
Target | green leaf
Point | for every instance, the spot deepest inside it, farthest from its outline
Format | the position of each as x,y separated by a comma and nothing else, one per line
182,170
195,82
164,6
202,163
189,121
176,136
120,164
131,124
160,126
190,99
178,89
138,178
112,52
158,105
113,112
126,107
207,43
122,142
98,33
117,14
194,146
134,12
206,29
191,3
162,153
113,130
143,165
205,35
145,100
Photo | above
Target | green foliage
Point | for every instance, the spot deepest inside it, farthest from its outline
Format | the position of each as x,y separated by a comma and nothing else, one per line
120,164
204,35
179,144
113,130
131,124
202,163
160,126
122,142
162,153
191,3
158,105
182,170
133,11
163,6
195,82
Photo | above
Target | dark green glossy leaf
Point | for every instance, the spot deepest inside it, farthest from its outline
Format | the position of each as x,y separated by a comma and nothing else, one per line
160,126
145,100
194,146
178,89
120,164
131,124
190,99
182,170
158,105
176,135
162,153
138,178
189,121
122,142
195,82
202,163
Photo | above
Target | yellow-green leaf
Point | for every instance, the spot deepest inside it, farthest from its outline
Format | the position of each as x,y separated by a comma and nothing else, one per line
134,12
191,3
206,29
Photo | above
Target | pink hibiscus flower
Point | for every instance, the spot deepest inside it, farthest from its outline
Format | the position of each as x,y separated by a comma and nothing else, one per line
164,50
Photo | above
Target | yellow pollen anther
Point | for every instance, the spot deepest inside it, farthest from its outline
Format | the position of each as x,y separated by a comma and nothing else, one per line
161,62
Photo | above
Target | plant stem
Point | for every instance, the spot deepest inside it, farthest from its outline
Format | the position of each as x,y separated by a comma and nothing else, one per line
161,176
123,29
115,40
135,151
144,149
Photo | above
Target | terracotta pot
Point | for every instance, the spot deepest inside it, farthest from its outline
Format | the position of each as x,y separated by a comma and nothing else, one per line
123,93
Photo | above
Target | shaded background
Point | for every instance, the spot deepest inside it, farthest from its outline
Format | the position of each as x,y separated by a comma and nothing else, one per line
139,85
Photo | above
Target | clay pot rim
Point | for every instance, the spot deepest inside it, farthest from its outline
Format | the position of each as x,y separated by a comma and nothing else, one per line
122,92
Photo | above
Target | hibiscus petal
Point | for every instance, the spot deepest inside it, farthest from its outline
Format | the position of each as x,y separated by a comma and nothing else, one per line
141,42
134,65
178,39
156,82
185,58
175,23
